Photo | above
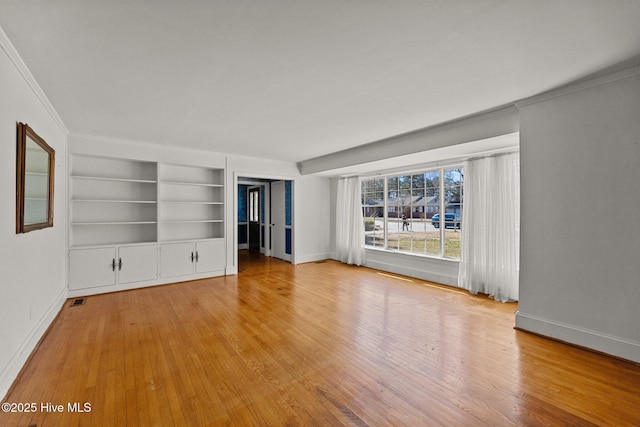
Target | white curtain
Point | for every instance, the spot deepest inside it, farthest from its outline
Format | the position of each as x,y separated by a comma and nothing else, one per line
490,260
349,223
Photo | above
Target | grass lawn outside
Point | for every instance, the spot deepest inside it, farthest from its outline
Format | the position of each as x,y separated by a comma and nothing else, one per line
424,243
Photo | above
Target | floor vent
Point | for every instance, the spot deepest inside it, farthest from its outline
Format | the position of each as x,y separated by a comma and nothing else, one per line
77,301
320,262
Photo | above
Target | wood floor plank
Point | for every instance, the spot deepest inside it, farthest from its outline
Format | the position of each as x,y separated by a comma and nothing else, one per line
314,344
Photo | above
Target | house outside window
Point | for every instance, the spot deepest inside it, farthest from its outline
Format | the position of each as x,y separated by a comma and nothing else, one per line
399,212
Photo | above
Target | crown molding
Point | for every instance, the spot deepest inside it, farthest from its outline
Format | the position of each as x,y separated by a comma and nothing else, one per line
78,140
579,86
15,58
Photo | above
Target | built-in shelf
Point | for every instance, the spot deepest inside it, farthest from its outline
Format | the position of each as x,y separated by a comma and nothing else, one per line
191,202
183,202
197,184
113,201
114,223
102,178
191,221
143,222
129,201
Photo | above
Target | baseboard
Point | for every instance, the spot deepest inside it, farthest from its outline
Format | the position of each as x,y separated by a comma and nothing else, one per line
15,365
83,292
598,341
312,257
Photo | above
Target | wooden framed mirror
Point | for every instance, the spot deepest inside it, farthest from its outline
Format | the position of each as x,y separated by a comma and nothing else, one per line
34,181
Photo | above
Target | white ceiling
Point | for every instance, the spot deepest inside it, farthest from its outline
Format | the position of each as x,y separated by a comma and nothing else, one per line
294,80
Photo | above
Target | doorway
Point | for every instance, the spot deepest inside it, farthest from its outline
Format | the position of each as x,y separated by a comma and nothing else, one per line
264,217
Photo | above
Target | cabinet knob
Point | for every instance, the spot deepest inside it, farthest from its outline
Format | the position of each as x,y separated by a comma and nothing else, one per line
191,256
119,264
113,264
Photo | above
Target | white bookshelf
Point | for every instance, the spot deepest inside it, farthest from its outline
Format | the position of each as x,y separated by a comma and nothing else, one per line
139,223
113,201
191,203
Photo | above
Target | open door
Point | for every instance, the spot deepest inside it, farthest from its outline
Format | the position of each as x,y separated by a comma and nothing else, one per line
278,232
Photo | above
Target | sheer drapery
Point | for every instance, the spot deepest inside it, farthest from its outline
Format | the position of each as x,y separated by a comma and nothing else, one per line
490,261
349,223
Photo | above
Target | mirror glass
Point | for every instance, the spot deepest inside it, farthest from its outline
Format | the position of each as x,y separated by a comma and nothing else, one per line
36,183
34,206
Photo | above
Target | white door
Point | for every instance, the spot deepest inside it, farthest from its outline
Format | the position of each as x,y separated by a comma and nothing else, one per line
278,236
91,268
210,256
177,259
137,263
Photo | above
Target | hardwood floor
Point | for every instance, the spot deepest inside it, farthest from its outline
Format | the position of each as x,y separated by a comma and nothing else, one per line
313,344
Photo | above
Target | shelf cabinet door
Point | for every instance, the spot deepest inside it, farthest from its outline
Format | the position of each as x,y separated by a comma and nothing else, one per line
176,259
137,263
211,256
91,268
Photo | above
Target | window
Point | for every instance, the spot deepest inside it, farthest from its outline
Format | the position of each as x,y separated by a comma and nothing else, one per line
372,195
254,205
402,212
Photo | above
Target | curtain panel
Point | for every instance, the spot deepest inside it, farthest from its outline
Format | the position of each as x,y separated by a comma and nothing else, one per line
349,222
490,259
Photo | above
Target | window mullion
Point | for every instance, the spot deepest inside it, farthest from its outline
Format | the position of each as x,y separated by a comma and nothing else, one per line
385,210
443,223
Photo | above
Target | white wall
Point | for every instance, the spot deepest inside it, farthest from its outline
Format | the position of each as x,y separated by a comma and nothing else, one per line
580,235
312,219
32,265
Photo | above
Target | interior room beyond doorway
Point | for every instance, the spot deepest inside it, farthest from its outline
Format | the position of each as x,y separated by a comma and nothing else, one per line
264,218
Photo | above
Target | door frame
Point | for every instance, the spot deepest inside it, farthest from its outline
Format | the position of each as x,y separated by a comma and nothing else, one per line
267,209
